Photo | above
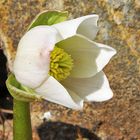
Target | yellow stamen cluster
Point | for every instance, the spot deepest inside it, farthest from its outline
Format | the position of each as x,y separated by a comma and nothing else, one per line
61,64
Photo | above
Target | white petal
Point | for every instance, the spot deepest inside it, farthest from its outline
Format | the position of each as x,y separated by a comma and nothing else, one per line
79,101
32,61
106,53
95,88
53,91
47,116
86,25
89,57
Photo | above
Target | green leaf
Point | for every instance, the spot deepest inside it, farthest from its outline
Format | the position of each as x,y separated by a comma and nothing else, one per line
48,18
19,92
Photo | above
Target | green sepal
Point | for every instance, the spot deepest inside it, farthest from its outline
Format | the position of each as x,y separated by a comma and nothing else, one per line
19,92
48,18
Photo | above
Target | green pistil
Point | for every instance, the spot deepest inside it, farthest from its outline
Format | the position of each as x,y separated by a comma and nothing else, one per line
61,64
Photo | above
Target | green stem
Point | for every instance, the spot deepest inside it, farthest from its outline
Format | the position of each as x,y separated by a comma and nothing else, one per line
22,121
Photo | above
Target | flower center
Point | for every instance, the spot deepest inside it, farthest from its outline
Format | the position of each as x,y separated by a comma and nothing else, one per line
61,64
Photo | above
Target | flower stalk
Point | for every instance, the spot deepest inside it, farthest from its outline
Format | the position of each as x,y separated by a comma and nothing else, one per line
22,121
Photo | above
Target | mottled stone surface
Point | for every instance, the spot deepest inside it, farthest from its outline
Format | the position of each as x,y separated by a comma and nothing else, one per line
120,28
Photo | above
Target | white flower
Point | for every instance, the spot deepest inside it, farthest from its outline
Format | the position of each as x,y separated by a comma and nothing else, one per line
86,81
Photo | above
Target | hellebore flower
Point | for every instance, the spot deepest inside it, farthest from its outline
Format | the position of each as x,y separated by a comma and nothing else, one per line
63,64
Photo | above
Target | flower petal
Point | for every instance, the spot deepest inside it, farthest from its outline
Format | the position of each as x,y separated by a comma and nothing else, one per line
32,62
95,88
53,91
89,57
86,25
